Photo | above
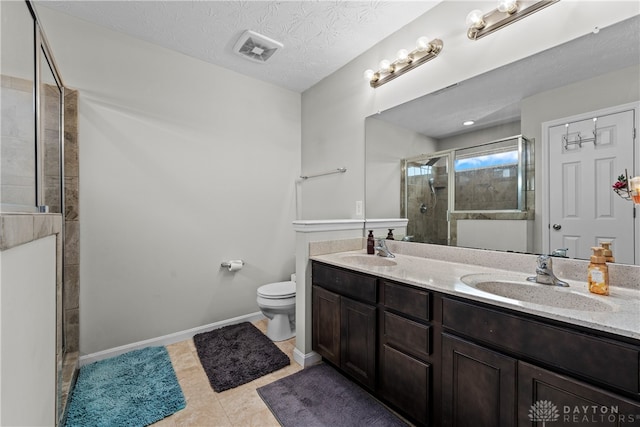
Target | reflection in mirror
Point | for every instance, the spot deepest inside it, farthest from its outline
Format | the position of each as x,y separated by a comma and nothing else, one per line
591,73
50,136
425,197
17,140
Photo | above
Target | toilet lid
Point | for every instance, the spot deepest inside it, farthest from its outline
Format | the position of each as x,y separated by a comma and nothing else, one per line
278,290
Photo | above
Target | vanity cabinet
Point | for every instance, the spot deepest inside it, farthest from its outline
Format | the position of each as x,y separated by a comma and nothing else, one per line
344,321
445,360
478,385
498,364
407,360
576,402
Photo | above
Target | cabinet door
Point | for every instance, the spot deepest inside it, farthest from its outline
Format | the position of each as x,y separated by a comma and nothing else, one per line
544,396
358,341
326,324
478,385
406,383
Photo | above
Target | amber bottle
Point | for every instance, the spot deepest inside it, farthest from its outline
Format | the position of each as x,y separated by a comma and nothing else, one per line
598,273
371,243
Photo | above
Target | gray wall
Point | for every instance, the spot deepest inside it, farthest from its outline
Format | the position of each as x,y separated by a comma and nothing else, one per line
387,145
334,110
183,165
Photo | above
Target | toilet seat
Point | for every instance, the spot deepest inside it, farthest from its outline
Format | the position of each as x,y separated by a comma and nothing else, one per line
278,290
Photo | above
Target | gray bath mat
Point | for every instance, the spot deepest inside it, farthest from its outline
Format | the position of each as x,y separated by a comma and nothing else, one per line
320,396
237,354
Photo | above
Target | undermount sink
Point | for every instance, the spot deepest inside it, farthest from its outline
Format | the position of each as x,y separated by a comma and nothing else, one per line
369,260
518,288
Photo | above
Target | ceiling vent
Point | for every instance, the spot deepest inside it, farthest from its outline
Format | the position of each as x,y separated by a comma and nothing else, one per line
256,47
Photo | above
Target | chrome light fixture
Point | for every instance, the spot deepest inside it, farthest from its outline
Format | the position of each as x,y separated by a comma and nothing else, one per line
507,12
405,61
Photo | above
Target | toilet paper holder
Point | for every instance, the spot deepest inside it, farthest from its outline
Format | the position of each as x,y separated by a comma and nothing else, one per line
227,264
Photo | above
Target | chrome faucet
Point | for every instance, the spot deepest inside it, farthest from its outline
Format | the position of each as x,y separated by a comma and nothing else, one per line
382,249
561,253
544,273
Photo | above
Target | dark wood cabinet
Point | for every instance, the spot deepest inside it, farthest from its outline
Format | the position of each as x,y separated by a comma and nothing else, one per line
344,329
443,360
326,324
358,341
547,396
478,385
406,383
408,364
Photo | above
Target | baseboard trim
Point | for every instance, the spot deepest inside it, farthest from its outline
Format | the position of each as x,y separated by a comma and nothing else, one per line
167,339
306,360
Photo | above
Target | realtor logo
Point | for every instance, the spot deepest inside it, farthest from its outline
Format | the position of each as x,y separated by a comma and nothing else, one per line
544,410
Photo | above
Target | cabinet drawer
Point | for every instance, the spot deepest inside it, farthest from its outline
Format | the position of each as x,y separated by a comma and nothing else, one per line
351,284
407,300
407,335
598,359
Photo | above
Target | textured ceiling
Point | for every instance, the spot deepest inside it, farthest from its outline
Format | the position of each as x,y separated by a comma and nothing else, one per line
319,37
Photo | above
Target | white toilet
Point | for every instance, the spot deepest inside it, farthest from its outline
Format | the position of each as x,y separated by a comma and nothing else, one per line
277,301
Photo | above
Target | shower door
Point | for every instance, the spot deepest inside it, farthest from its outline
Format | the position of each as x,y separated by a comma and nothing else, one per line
425,197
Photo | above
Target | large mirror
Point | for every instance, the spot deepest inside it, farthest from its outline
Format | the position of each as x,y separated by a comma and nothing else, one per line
535,98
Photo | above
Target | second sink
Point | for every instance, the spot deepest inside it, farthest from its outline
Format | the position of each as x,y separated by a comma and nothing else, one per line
518,288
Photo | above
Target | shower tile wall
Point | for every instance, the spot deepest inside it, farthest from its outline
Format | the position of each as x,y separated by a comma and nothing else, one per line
18,138
487,189
431,225
72,222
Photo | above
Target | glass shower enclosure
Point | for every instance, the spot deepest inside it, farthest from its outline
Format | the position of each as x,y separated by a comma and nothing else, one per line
481,181
425,197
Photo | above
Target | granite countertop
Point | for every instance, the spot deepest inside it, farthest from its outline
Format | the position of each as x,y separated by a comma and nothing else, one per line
618,313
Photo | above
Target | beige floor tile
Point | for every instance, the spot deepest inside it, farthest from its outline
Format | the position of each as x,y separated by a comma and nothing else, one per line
182,356
202,412
244,406
238,407
195,384
167,422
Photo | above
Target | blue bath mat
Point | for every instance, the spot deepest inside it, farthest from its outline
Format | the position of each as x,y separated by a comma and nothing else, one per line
137,388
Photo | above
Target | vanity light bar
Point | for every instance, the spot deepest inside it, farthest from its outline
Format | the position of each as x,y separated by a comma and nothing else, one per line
508,12
425,51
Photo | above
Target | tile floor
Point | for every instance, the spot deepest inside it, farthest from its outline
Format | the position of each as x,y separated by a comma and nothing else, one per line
240,406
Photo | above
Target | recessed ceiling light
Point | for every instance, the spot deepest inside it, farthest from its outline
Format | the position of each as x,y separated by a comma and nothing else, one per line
468,123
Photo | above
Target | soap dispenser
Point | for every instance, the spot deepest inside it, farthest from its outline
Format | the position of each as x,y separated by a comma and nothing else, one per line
371,243
598,273
607,253
390,234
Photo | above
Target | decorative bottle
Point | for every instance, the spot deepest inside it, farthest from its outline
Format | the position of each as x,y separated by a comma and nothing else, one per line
598,273
607,253
371,243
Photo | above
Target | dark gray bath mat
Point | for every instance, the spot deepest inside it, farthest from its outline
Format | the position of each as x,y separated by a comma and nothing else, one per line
320,396
237,354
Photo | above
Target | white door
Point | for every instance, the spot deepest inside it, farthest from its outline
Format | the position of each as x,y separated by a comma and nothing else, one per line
583,209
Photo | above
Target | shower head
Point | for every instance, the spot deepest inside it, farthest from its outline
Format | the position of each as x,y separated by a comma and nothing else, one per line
432,161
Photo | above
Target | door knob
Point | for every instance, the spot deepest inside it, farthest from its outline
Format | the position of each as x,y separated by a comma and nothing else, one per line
557,227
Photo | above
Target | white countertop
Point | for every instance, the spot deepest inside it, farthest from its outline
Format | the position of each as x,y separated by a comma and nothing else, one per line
620,316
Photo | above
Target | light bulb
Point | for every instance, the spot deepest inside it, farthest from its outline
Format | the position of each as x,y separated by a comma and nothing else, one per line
508,6
423,44
368,74
385,65
475,19
403,55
